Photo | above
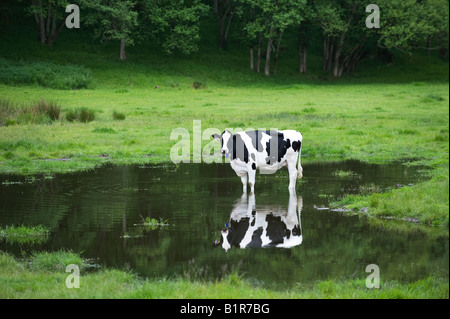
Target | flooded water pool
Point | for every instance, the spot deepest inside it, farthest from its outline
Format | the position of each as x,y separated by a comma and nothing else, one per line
102,214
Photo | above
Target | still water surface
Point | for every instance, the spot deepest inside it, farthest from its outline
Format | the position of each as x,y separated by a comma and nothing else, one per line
99,214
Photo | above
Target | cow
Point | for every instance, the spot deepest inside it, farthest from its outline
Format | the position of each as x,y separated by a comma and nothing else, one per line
262,227
267,151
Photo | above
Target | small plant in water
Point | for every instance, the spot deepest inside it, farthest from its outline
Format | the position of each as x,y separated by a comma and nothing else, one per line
24,234
343,174
151,223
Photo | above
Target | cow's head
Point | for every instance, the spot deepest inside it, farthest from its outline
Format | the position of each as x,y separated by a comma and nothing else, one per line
225,140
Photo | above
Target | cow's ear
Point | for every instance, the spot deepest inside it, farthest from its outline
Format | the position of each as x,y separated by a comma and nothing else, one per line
216,137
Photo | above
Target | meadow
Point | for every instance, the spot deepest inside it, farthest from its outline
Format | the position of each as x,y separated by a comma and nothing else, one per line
123,112
43,275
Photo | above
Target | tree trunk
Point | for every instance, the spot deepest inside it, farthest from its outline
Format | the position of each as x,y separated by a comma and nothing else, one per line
325,53
258,57
277,51
55,32
269,51
443,53
122,54
302,58
251,59
225,37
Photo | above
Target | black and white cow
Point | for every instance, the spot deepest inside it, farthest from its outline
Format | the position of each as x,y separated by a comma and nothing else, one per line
267,151
263,226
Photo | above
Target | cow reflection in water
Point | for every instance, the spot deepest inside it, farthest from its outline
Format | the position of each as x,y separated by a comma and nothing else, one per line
266,226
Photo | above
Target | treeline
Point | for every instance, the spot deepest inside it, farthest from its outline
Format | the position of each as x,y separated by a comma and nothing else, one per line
346,29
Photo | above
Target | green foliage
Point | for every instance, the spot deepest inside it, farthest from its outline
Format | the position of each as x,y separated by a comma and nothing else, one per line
45,74
175,24
111,19
407,24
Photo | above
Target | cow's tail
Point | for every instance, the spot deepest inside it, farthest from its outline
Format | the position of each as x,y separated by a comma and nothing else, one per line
299,165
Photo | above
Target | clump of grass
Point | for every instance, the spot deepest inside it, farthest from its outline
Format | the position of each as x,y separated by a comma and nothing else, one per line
153,223
432,97
55,260
46,74
24,234
344,174
82,114
309,110
198,85
49,108
407,132
38,112
119,116
369,189
106,130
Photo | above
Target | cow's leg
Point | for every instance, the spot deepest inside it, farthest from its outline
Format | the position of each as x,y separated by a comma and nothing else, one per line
251,180
300,168
292,172
244,183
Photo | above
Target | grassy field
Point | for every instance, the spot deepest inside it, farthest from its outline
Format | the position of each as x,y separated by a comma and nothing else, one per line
43,276
129,108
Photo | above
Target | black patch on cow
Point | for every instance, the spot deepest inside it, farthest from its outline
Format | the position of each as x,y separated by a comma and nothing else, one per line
252,155
276,229
280,147
256,238
237,230
253,166
238,149
296,145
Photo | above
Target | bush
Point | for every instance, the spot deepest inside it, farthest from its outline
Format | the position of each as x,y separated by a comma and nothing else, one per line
46,74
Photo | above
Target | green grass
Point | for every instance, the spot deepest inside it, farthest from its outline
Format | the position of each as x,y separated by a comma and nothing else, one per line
35,112
24,234
426,202
43,276
45,74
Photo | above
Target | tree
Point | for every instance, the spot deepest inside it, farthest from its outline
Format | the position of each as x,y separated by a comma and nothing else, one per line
269,19
175,23
413,24
305,28
112,20
49,16
344,33
224,11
